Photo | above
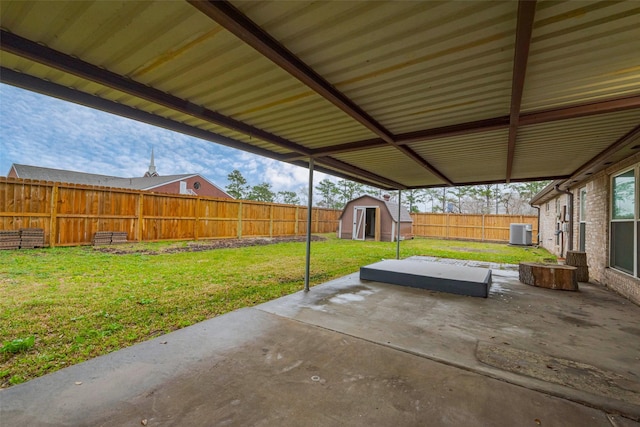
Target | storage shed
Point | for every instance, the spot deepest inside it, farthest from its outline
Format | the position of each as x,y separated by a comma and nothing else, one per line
368,217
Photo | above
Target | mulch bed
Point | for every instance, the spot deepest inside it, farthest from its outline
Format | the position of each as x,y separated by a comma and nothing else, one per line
204,245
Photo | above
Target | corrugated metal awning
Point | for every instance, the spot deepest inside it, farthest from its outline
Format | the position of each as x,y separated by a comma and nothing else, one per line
392,94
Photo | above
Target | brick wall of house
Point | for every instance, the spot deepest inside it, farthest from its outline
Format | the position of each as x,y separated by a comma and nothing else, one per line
597,230
551,215
623,284
548,220
597,226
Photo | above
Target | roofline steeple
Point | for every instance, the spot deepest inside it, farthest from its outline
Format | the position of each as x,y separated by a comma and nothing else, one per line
152,167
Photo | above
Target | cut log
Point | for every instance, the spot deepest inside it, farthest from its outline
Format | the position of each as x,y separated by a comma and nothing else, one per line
576,258
579,260
550,276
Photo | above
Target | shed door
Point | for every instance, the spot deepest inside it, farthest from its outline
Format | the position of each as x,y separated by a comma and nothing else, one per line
359,223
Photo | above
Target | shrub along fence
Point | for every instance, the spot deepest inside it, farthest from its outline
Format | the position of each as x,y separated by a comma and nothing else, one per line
74,213
485,228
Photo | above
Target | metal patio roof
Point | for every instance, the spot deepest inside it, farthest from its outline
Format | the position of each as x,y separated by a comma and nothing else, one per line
393,94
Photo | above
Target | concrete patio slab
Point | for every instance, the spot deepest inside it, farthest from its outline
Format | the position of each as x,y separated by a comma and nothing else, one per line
594,328
363,353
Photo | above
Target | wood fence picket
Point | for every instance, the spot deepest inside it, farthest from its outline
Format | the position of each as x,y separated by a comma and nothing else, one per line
71,214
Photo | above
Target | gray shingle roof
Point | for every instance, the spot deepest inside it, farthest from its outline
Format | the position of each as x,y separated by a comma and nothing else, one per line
59,175
393,210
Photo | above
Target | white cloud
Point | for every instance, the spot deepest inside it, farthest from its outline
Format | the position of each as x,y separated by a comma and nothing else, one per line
43,131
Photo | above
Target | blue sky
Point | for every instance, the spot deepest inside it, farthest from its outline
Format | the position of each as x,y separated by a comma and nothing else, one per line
42,131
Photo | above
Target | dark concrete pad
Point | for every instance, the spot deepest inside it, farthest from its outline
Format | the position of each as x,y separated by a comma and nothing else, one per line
594,327
252,368
455,279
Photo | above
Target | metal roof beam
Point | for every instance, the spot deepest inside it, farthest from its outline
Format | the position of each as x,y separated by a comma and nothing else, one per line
453,130
55,90
610,150
410,137
531,118
342,175
329,161
581,110
374,144
494,181
227,16
341,148
524,29
426,165
35,84
44,55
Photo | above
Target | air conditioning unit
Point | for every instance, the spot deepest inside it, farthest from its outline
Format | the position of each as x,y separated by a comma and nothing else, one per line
520,234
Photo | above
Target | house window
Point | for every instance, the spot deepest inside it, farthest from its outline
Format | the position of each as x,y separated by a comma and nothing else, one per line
582,237
624,222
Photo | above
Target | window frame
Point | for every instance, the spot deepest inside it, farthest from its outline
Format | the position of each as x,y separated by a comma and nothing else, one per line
582,213
635,220
582,218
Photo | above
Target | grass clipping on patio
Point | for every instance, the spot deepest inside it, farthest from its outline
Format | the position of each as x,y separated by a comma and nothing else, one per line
62,306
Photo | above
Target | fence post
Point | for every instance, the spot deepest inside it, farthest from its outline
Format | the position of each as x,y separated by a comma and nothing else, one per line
483,227
240,220
53,225
140,216
270,220
197,221
295,226
447,225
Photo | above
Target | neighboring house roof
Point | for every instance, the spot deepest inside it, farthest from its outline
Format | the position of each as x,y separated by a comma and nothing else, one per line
391,207
73,177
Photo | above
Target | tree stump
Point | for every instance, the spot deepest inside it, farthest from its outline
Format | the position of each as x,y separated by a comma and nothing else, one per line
550,276
579,260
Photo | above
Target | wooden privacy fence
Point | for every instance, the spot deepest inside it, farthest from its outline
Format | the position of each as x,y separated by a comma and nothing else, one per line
74,213
486,228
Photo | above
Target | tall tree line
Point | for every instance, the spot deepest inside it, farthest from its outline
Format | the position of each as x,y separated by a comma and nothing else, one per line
479,199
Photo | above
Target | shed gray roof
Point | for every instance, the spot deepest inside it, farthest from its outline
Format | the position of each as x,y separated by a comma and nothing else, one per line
391,207
73,177
393,210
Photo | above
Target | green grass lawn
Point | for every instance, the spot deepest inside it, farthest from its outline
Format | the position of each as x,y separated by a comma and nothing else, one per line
62,306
